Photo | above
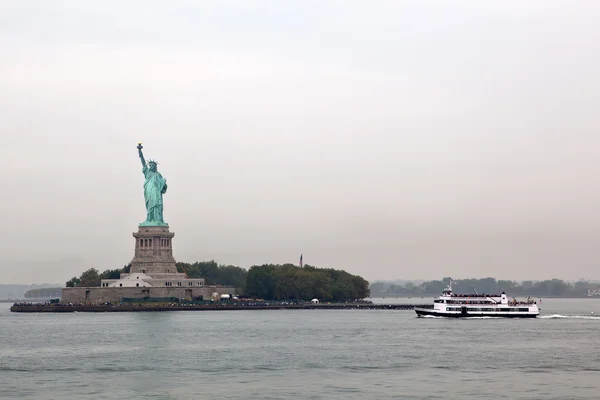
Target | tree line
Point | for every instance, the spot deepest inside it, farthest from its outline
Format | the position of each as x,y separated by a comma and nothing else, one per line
268,281
289,282
547,288
50,292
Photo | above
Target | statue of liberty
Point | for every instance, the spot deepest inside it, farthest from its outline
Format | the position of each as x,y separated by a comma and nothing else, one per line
154,187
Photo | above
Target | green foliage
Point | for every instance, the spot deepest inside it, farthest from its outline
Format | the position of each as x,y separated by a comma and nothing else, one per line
74,281
547,288
111,274
215,274
89,278
288,282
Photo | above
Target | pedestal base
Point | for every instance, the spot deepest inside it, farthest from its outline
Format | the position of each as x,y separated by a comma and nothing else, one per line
153,251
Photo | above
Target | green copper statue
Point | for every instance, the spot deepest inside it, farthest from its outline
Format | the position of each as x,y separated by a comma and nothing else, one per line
154,187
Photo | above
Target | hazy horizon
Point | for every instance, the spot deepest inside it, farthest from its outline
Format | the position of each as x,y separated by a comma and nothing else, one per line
395,140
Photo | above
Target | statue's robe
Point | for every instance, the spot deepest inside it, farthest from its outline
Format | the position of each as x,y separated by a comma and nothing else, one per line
154,187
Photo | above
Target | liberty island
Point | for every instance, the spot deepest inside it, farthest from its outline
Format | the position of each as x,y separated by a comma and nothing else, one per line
153,282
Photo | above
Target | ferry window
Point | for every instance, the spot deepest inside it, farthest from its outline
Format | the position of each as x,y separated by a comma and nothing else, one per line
523,309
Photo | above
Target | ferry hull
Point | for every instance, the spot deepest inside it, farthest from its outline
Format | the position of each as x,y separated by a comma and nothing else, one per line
433,313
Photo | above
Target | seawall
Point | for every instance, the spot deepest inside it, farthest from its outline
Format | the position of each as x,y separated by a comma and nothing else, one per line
56,308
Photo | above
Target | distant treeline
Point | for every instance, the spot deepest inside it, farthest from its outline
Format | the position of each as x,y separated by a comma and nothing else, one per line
547,288
269,281
43,293
17,292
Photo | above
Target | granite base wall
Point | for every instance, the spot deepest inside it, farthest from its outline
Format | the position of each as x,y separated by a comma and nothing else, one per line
116,294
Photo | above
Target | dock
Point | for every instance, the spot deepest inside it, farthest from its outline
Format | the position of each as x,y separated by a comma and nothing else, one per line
147,307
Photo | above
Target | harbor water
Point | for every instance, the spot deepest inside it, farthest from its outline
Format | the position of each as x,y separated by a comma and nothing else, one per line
301,354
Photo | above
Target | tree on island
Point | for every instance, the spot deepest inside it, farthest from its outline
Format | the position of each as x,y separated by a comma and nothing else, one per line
91,277
289,282
215,274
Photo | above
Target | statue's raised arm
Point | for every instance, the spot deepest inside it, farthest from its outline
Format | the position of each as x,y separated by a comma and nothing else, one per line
140,147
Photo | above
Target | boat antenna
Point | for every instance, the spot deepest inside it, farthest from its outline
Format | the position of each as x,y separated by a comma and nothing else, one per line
474,290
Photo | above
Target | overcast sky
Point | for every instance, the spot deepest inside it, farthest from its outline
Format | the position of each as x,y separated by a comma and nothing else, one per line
393,139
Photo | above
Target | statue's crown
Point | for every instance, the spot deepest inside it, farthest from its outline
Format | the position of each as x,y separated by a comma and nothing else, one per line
153,162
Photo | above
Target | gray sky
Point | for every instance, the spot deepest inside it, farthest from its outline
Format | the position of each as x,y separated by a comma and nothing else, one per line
393,139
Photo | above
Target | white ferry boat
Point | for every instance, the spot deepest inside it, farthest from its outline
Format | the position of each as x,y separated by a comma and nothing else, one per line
454,305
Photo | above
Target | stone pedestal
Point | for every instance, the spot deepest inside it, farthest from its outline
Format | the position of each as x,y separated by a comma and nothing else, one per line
153,251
